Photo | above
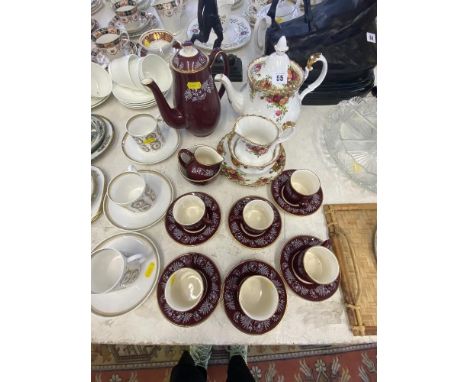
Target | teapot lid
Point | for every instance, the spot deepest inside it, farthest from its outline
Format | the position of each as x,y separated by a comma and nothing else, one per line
189,59
275,72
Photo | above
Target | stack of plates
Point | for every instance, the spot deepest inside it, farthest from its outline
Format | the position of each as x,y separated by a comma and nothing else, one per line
96,5
148,21
133,99
142,5
102,133
101,85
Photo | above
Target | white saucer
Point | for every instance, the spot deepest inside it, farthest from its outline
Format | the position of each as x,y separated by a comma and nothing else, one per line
171,143
96,201
124,300
107,140
130,221
133,98
95,102
236,35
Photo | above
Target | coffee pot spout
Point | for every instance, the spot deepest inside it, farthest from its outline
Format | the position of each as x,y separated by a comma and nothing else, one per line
236,98
172,117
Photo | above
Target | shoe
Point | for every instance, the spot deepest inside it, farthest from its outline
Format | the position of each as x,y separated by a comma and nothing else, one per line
200,354
238,350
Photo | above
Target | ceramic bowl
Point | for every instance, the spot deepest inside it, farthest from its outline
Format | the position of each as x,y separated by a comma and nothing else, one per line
101,82
157,41
258,297
184,289
154,67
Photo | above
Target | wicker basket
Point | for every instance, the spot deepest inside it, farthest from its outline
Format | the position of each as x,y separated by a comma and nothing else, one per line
352,230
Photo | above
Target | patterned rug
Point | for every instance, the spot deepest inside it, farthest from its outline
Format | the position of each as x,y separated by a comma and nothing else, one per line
133,363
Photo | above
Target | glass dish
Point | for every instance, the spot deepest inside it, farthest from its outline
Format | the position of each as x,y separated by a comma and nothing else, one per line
351,139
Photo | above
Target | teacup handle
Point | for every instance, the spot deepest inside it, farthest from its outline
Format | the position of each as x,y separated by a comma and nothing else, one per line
132,168
185,163
138,257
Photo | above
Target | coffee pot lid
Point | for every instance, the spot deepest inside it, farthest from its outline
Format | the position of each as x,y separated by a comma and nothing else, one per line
276,65
189,59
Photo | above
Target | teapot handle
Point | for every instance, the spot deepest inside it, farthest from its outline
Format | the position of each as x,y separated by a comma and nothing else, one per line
213,55
189,156
256,35
310,62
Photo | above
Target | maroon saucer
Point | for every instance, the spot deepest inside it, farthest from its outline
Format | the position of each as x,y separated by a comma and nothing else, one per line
309,290
211,295
184,237
277,191
231,301
239,233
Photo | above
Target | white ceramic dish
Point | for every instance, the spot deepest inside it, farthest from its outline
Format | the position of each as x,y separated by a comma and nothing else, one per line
95,102
155,67
101,82
125,300
134,153
125,219
130,96
237,34
99,190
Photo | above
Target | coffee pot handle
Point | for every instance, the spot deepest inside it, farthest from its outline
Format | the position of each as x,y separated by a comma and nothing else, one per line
260,43
189,154
310,62
213,55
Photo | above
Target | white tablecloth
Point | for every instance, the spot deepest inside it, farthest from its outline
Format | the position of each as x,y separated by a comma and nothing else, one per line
304,322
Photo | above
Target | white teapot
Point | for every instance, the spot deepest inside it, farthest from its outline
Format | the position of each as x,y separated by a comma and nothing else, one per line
274,83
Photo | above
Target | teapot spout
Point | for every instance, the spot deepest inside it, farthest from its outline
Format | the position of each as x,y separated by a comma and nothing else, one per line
235,97
172,117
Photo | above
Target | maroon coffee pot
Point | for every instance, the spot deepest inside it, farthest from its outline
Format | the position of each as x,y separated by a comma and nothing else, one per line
196,100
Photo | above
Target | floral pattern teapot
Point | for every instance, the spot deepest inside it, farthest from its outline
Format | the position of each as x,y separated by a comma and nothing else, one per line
274,83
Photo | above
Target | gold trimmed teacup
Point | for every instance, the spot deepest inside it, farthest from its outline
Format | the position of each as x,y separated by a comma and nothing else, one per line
184,289
258,297
111,270
130,190
145,131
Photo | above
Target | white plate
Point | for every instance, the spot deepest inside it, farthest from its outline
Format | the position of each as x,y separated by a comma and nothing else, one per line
237,4
131,221
236,36
129,96
107,139
96,201
135,154
125,300
95,102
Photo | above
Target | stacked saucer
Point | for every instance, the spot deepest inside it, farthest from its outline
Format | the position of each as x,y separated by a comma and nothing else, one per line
102,133
133,99
147,21
96,6
101,85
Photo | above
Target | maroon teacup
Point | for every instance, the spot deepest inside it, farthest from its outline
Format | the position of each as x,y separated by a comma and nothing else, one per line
301,187
257,217
201,164
316,265
190,213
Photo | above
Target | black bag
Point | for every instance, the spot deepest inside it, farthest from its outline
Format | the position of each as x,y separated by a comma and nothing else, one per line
344,31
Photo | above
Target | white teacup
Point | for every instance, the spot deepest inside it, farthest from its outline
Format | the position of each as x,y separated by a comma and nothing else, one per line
120,73
319,264
184,289
258,297
130,190
155,67
145,131
170,12
258,216
111,270
190,212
